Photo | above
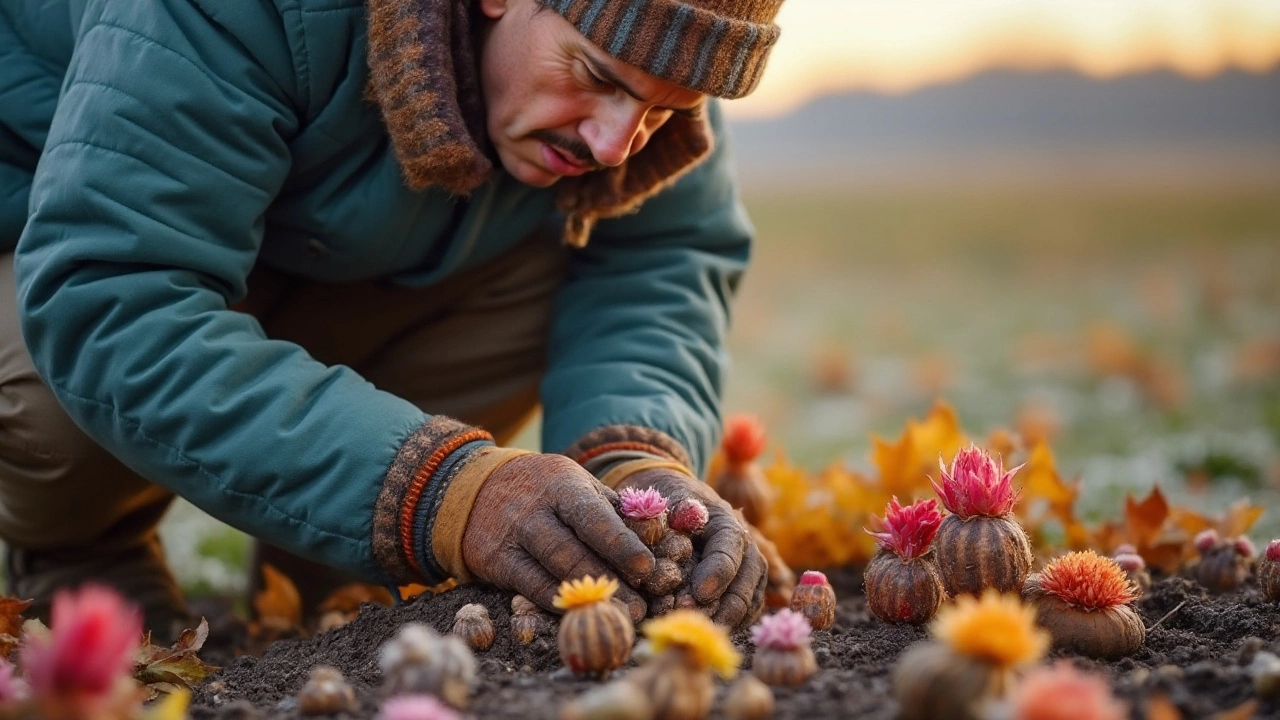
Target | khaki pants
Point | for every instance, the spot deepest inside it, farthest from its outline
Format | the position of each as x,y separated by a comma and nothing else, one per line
472,347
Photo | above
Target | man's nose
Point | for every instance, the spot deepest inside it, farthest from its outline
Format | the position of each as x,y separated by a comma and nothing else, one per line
612,132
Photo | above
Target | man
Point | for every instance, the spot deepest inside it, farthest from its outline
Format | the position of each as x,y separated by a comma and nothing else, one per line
309,264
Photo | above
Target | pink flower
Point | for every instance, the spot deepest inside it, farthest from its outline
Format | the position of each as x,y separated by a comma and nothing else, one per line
1130,562
93,638
1244,548
644,504
1206,539
1061,692
783,630
688,516
976,485
909,530
1273,551
416,707
813,577
12,689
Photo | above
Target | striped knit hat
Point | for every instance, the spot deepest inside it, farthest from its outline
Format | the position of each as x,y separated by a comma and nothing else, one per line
717,47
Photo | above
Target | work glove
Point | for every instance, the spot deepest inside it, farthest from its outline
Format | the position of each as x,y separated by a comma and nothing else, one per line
731,568
539,519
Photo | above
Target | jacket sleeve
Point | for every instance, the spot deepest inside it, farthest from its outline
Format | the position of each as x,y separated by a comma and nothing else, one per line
169,142
637,355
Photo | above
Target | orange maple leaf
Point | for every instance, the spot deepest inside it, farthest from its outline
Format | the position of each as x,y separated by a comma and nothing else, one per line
906,465
11,610
278,604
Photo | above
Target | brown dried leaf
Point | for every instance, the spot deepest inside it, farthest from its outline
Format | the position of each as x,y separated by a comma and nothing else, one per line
278,604
11,610
161,669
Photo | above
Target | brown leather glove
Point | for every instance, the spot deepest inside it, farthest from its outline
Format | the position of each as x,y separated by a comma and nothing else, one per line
540,519
732,567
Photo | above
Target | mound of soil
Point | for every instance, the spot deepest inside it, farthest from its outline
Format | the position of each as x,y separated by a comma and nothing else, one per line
1196,653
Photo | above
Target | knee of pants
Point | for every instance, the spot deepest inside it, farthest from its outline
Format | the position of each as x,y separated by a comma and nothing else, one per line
58,487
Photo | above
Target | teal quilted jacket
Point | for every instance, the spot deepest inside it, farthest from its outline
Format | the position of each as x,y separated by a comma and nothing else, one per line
152,151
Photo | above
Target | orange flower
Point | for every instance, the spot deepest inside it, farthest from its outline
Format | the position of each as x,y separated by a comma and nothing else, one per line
1088,580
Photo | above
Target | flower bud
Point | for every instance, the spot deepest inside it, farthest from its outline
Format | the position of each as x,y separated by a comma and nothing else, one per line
326,693
472,624
419,660
783,655
815,599
525,619
1269,571
595,635
748,699
689,516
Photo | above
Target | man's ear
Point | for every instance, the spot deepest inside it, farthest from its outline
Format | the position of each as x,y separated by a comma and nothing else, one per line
494,9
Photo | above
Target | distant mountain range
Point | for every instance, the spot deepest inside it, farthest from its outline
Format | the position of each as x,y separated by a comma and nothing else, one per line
1003,127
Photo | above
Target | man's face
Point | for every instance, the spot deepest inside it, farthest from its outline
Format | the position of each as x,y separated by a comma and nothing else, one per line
559,106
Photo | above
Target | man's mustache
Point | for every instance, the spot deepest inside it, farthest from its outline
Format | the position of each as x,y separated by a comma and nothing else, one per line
573,147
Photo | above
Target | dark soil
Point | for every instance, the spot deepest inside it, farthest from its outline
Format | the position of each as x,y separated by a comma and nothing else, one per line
1196,656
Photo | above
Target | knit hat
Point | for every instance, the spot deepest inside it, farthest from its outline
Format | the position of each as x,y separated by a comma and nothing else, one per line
716,47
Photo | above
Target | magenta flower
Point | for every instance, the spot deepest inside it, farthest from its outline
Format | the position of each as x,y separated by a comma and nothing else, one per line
93,638
976,485
12,689
1273,550
783,630
644,504
909,530
688,516
813,577
416,707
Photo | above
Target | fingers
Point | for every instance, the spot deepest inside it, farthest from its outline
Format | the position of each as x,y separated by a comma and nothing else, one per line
526,576
597,524
565,557
745,593
722,555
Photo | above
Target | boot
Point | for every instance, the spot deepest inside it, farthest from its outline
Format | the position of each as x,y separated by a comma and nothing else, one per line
139,573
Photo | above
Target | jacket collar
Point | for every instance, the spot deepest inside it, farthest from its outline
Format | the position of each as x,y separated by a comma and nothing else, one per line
424,77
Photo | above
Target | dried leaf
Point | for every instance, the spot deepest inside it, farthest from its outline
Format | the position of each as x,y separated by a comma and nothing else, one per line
278,604
159,669
349,598
1144,520
906,466
1239,519
1160,708
11,610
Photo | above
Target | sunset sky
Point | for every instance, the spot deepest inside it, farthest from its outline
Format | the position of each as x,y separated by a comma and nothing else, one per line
830,45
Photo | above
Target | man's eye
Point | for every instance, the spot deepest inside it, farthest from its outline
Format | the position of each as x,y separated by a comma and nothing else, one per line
597,80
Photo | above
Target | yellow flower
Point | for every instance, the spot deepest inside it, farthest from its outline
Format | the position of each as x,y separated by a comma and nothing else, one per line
706,643
997,628
586,591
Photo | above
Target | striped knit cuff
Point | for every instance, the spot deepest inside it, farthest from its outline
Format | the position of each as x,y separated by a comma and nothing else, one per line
621,471
714,47
627,438
407,480
454,511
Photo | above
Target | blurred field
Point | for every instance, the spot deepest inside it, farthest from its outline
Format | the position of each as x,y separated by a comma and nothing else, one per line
1139,332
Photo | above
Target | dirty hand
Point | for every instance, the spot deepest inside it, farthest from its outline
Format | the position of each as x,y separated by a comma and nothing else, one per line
540,519
732,567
